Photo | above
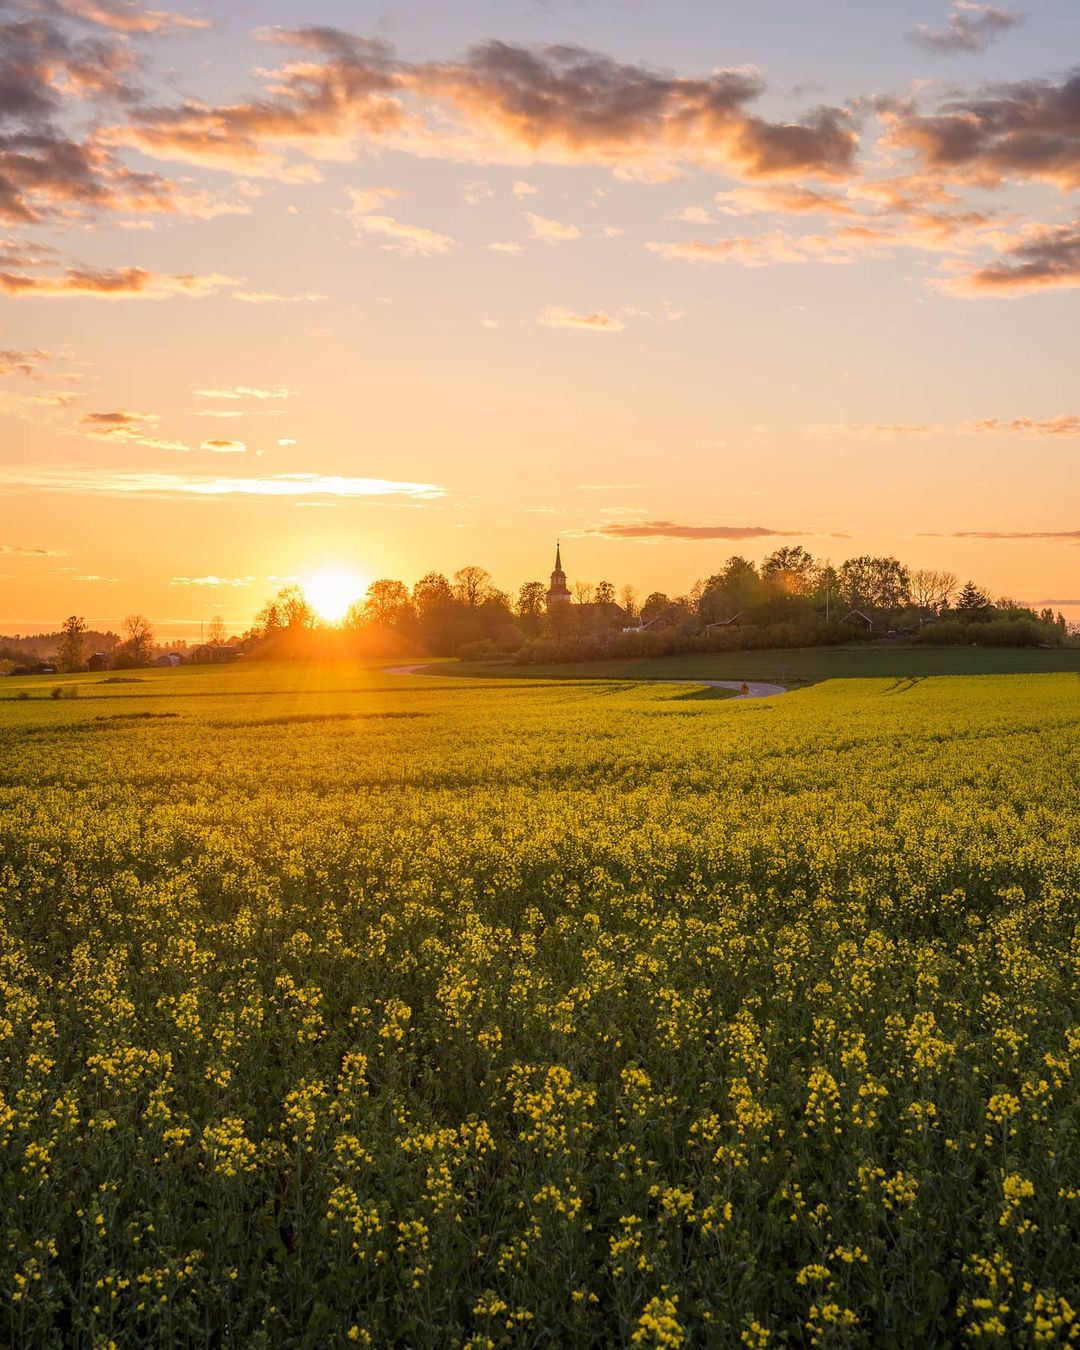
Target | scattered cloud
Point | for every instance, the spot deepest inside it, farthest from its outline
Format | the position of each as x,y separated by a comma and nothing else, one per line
509,247
92,481
1064,426
122,16
273,298
24,362
212,581
522,189
761,250
129,428
501,102
551,231
19,551
667,529
1046,257
245,391
599,321
219,446
120,284
370,199
402,237
1070,536
1025,130
969,27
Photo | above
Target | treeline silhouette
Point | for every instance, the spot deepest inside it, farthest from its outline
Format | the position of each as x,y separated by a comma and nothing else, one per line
790,599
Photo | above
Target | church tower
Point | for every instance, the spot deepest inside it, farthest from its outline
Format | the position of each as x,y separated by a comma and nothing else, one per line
558,593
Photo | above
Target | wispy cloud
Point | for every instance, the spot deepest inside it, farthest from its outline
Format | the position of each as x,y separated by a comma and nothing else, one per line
123,16
1069,536
761,250
969,27
212,581
23,362
669,529
1045,257
93,482
245,391
598,321
127,427
20,551
218,445
1065,426
404,238
551,231
123,283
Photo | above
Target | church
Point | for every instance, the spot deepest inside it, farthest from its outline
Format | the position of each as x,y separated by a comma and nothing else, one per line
587,616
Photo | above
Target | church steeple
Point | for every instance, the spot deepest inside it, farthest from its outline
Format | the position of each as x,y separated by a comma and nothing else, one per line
558,593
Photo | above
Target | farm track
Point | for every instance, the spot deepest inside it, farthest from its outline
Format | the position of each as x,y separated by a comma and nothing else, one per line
755,689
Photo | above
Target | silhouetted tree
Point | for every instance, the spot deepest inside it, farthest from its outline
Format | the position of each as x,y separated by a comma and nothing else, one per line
138,635
472,586
71,654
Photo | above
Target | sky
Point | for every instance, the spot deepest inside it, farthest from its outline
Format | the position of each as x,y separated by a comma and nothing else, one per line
393,288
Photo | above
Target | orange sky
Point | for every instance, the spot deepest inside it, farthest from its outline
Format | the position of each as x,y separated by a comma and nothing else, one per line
422,287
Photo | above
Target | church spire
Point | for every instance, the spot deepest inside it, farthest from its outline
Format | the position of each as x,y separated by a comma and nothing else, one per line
558,593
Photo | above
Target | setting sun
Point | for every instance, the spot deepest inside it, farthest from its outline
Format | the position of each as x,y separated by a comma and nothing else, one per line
331,591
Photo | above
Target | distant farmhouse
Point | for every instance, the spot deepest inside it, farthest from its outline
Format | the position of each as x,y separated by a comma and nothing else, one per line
586,616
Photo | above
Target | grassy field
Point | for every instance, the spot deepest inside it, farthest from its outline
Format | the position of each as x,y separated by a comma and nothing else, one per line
341,1008
805,665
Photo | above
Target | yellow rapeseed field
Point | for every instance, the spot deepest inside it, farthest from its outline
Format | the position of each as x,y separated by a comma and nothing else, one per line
339,1008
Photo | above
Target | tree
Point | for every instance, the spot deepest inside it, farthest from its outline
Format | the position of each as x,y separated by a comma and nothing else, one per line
628,599
874,583
605,593
71,654
531,601
582,592
729,592
387,604
472,586
431,597
790,570
973,602
932,590
138,640
288,609
655,605
215,631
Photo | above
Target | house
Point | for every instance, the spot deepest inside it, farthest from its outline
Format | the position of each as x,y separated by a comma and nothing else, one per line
97,661
863,618
724,623
215,653
167,659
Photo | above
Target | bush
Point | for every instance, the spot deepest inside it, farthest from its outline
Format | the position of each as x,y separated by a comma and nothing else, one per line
990,633
64,691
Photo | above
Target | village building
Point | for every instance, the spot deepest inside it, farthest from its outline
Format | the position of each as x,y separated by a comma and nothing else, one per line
585,616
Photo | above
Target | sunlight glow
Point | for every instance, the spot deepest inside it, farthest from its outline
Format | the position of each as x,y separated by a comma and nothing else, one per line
331,591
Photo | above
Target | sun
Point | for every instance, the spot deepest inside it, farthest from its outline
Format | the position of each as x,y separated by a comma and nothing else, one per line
331,591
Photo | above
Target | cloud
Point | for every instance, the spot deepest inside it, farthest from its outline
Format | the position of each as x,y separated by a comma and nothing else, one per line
370,199
1047,257
793,198
510,247
128,18
245,391
600,321
212,581
404,238
667,529
777,246
500,103
120,284
522,189
970,27
273,298
1056,602
24,362
1025,130
174,486
1065,426
219,446
128,428
18,551
1071,536
551,231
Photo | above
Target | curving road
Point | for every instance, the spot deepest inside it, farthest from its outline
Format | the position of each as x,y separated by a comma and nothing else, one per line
754,688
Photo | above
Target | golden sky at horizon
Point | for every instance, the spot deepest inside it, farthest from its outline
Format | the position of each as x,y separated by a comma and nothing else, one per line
401,287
